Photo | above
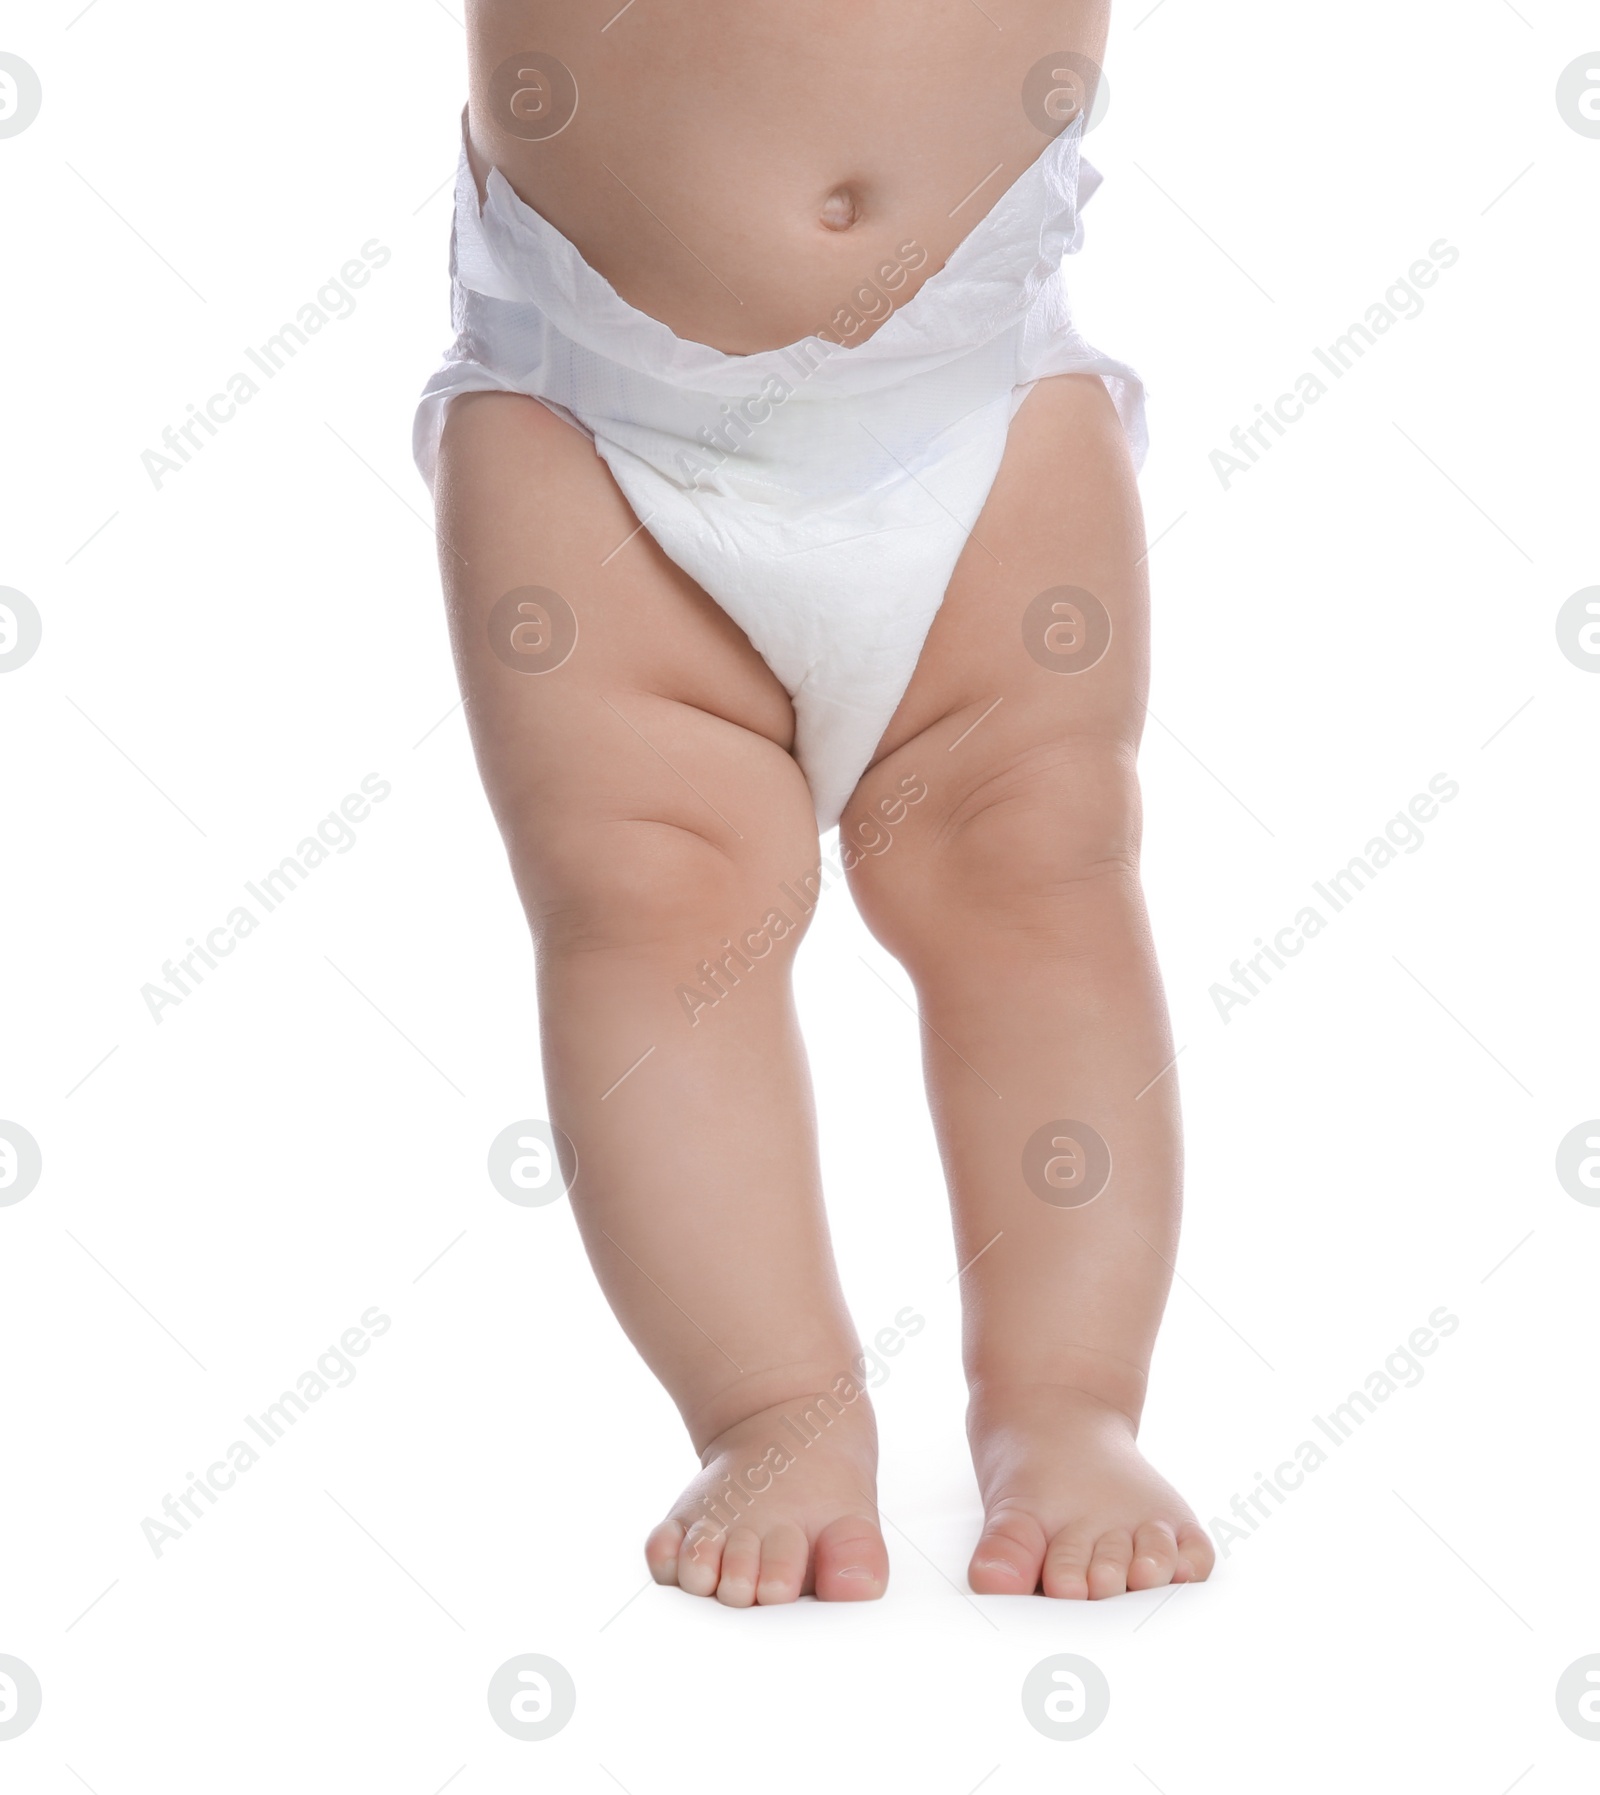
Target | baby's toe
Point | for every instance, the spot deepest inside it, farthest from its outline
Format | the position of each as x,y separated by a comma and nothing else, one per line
661,1551
1066,1564
1196,1554
700,1558
852,1564
1008,1557
1108,1568
1155,1556
741,1565
783,1564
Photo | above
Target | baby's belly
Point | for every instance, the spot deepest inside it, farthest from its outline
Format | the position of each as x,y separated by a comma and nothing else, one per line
751,172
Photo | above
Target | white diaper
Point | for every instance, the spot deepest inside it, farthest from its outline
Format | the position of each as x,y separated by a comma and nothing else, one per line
821,494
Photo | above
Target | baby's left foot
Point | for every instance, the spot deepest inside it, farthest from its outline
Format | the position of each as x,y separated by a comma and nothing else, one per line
1070,1505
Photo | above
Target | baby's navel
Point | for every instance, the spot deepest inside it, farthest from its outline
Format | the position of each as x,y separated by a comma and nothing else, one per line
839,210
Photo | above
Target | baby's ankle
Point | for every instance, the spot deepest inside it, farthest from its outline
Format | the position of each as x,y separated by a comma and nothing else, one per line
795,1404
1096,1400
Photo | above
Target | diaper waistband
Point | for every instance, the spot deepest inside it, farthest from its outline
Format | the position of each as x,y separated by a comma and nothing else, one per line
506,251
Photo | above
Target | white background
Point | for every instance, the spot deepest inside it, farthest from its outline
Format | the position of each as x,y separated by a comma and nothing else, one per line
224,1193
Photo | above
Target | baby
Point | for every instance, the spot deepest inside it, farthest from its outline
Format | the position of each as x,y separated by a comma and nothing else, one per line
775,491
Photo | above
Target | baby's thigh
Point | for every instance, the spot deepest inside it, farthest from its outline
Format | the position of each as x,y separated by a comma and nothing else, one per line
629,737
1023,716
1048,605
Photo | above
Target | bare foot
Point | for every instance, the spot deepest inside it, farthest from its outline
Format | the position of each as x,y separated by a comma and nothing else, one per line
1070,1505
782,1509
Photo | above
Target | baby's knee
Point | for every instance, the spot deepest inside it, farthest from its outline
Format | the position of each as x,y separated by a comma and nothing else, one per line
632,884
641,886
1028,844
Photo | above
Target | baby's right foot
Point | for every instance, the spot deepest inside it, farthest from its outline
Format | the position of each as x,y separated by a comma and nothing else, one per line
783,1508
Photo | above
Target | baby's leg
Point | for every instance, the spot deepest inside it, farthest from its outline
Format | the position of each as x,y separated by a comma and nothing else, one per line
651,813
1011,894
